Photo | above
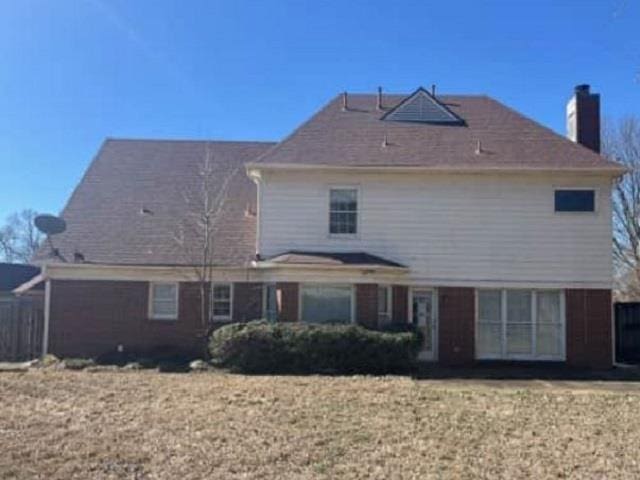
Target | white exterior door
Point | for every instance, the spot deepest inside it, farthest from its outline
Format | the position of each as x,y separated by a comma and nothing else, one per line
423,317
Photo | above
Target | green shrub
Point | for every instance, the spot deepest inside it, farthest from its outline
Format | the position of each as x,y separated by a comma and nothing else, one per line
260,347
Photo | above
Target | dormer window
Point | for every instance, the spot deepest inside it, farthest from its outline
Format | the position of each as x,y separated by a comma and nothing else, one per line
343,211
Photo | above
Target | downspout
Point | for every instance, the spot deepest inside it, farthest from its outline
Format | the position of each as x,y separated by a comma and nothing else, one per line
47,309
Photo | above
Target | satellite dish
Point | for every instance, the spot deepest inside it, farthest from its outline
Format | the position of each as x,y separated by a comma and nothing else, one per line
50,224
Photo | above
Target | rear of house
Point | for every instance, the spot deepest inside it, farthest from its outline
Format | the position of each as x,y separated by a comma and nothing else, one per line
455,214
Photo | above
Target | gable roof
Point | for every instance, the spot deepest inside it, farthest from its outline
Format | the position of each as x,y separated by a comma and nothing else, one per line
422,107
105,219
360,137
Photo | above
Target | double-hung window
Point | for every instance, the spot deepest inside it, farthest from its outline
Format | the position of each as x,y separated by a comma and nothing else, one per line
520,324
343,211
221,301
384,305
163,301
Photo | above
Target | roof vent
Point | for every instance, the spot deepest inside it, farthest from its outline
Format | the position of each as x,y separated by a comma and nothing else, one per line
422,107
344,102
379,102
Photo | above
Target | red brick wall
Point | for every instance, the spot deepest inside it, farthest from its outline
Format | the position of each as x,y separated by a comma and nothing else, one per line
89,318
456,322
367,304
588,328
247,301
288,304
400,300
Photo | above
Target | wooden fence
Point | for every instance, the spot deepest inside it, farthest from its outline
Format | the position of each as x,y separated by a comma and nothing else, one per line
21,326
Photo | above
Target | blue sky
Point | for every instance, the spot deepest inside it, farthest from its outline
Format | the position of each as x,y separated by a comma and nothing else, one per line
75,72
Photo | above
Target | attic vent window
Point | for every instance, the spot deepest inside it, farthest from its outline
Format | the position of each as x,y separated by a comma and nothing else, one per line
422,107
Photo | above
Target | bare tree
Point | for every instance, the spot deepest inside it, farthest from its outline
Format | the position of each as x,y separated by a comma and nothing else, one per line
204,202
622,143
19,238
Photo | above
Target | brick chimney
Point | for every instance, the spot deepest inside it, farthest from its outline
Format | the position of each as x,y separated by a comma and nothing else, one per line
583,118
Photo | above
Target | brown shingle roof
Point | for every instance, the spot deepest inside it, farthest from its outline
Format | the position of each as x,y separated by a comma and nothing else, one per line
355,137
104,219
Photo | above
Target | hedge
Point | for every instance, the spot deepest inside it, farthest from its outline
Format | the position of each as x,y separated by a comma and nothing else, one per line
262,347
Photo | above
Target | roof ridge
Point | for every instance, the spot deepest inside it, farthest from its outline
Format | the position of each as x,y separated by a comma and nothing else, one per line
186,140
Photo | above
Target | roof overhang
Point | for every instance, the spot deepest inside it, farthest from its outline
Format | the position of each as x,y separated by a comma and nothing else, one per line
254,169
363,268
28,286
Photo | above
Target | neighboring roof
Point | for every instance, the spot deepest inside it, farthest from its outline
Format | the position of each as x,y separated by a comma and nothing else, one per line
297,257
13,275
356,137
105,219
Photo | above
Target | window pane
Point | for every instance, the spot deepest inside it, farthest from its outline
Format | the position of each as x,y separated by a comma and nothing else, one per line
326,304
383,297
489,339
549,307
519,338
489,305
344,200
575,200
221,292
164,308
271,303
221,308
341,222
164,291
518,306
549,339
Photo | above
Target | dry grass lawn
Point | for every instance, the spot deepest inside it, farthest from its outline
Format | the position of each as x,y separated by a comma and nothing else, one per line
60,424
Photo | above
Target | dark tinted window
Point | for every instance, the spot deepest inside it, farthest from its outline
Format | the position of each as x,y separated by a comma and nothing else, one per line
575,201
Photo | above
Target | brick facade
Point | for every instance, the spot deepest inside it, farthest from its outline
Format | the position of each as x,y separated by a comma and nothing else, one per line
287,293
456,326
89,318
588,328
400,301
367,305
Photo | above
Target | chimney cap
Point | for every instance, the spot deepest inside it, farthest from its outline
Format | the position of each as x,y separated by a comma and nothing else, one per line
583,88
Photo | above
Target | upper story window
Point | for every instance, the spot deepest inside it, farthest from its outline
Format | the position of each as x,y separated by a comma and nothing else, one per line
575,200
163,304
343,211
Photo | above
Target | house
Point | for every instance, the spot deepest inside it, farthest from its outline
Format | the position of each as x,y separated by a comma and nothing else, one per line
12,275
455,213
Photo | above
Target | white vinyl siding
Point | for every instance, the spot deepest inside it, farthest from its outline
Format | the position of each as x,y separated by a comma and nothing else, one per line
163,301
518,324
466,230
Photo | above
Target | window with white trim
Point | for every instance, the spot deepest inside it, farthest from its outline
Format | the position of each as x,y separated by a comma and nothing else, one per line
343,211
163,300
520,324
326,303
384,305
221,301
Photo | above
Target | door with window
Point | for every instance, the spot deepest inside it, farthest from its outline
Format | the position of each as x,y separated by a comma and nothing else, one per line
423,318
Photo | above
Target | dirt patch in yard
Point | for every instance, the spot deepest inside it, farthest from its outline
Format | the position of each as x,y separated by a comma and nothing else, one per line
59,424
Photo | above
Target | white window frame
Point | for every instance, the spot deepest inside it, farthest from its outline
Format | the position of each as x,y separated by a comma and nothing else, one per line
159,316
573,187
335,285
389,313
221,318
358,211
562,356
